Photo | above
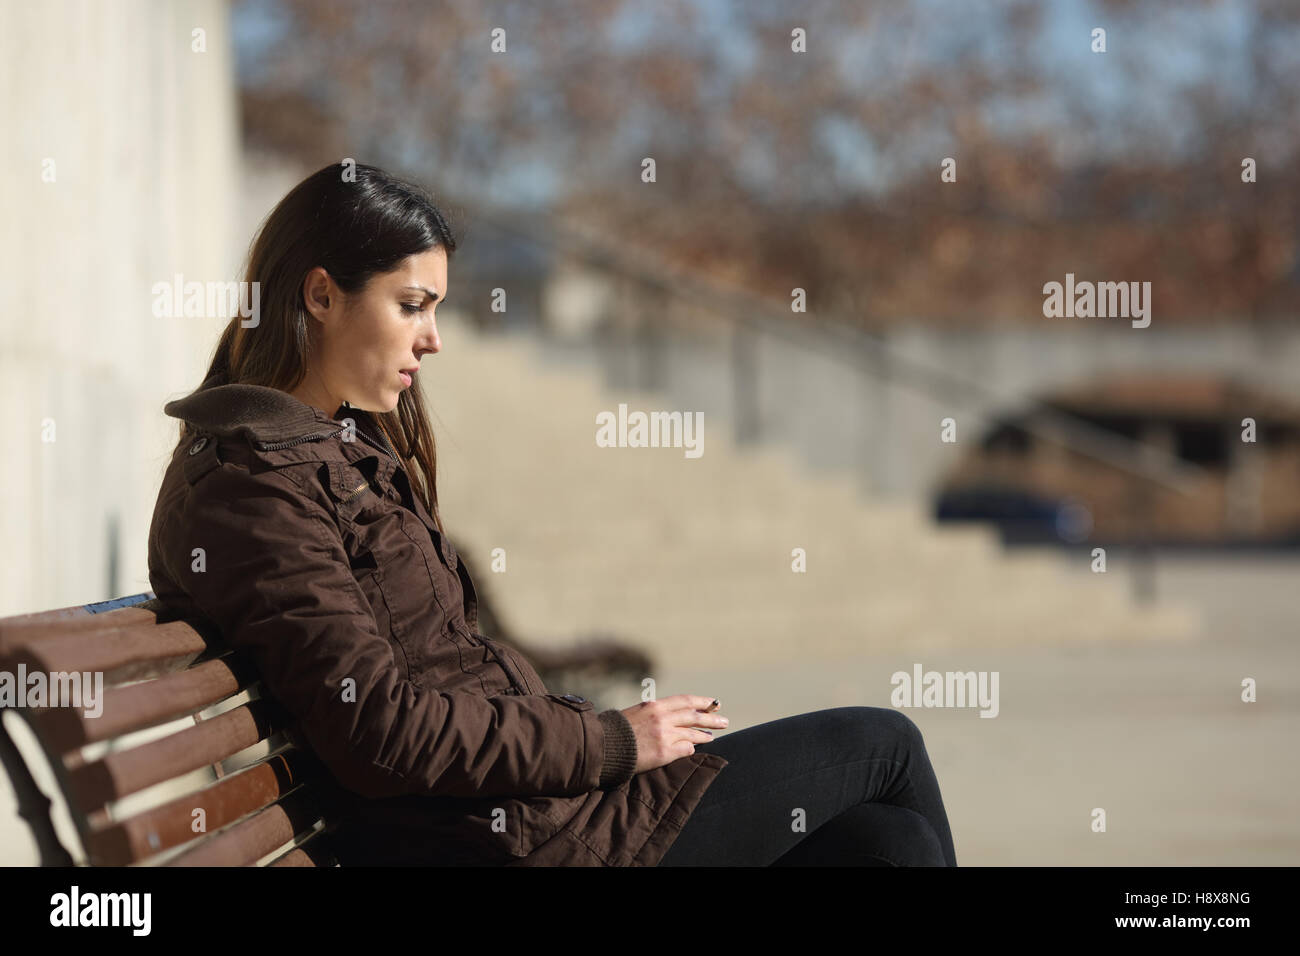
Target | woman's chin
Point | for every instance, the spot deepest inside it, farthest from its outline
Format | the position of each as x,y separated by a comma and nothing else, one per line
378,406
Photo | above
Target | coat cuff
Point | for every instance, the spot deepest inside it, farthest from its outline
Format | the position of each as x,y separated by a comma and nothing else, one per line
620,749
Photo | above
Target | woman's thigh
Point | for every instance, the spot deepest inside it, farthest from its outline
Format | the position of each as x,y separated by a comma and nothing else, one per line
787,778
870,834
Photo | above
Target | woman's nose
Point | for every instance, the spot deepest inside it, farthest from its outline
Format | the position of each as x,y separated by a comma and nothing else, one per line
429,341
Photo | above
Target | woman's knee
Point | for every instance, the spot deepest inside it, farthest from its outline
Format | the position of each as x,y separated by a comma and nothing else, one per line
879,723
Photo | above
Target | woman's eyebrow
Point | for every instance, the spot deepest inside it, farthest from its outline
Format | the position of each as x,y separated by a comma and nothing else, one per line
431,293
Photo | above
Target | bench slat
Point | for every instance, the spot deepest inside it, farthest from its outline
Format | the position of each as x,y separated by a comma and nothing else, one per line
156,673
313,851
146,704
294,857
122,653
124,772
247,842
169,825
22,628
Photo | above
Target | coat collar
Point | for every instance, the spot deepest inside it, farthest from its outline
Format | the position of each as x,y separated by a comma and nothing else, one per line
261,414
257,413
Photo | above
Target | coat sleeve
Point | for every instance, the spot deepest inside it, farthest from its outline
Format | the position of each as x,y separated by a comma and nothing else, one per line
277,583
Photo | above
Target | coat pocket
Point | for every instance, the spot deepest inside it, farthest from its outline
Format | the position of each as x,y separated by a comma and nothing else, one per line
507,828
385,541
350,486
516,666
373,519
533,822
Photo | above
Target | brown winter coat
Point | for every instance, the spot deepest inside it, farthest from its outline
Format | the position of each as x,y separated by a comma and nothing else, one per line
319,562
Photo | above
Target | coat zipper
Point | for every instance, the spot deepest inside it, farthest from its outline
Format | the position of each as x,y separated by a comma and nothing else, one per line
387,446
392,453
277,445
355,491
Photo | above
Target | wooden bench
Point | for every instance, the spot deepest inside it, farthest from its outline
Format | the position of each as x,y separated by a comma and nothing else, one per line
184,725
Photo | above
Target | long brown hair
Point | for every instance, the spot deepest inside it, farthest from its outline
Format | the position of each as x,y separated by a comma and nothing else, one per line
355,221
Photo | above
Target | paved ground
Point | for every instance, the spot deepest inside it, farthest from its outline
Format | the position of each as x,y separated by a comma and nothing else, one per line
1153,733
1156,733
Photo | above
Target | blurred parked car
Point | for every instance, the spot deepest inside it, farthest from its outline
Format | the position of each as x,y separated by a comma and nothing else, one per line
1036,489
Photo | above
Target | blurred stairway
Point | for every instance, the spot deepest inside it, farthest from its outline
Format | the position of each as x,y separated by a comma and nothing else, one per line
690,558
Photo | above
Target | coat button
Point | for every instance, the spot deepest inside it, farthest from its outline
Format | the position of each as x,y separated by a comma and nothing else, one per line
198,446
574,698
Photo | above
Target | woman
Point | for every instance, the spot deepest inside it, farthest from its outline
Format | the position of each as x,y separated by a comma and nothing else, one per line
299,517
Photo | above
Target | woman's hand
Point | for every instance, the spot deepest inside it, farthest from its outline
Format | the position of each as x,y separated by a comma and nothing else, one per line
666,729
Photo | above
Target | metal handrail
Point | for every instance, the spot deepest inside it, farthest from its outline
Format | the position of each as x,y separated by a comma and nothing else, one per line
846,342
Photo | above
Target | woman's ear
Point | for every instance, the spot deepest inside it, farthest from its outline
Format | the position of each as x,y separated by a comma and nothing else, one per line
318,292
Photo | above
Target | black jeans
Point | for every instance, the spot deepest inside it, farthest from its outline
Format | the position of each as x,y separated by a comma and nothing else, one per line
860,776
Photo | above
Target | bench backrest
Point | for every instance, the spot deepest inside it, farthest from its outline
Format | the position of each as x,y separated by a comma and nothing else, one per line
182,727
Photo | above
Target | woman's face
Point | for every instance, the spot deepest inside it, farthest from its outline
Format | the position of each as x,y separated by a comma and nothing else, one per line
366,347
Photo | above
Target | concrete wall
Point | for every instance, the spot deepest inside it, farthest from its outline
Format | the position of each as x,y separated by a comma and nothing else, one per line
142,134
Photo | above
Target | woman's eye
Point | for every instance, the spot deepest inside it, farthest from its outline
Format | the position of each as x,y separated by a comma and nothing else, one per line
411,309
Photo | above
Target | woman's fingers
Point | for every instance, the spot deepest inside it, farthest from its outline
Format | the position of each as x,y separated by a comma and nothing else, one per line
687,702
668,729
707,720
686,745
692,710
